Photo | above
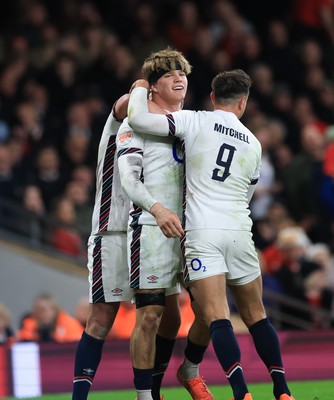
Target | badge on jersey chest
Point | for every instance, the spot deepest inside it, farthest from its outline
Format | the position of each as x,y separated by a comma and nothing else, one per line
124,137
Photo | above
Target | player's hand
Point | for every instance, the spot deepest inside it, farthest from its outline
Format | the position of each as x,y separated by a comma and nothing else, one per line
167,220
140,83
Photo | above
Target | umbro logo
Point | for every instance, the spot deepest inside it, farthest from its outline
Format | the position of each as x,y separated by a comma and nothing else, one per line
152,278
117,291
88,371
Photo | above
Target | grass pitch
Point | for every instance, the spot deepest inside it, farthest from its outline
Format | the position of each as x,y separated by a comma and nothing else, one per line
308,390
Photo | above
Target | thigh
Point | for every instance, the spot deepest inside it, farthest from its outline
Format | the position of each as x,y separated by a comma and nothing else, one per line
210,295
108,268
249,301
154,259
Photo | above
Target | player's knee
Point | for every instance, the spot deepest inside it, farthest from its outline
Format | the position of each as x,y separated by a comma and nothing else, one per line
151,306
97,330
150,299
101,319
251,316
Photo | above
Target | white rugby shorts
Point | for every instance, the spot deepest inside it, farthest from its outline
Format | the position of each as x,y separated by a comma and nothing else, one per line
108,268
154,259
210,252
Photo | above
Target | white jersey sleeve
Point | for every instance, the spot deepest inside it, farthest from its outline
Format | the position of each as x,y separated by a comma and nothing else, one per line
111,209
137,108
130,149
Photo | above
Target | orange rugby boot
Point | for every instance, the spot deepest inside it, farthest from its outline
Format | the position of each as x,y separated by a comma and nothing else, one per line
248,396
196,387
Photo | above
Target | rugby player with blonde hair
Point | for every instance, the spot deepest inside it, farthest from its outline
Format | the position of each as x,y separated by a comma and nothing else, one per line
151,172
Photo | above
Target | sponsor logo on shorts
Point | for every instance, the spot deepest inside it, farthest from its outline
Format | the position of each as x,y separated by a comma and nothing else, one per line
152,279
117,291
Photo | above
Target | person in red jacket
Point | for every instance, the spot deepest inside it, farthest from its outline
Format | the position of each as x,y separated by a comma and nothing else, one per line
49,323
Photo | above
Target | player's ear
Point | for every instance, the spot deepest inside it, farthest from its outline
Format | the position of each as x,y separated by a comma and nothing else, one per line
242,103
154,88
213,99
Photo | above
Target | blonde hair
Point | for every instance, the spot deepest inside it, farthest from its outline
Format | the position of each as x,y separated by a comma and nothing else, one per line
165,60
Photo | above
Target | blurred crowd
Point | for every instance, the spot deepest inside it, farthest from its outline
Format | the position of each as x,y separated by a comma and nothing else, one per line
64,63
45,321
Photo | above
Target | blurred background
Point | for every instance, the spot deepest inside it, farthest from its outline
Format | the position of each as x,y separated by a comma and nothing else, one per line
64,63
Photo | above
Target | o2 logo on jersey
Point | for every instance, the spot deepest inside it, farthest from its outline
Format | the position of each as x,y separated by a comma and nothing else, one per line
196,265
178,153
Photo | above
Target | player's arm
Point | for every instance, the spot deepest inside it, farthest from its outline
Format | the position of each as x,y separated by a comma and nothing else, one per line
130,163
118,112
139,117
251,190
255,178
130,167
120,108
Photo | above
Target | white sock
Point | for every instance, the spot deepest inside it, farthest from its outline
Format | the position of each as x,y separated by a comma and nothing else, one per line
189,370
144,395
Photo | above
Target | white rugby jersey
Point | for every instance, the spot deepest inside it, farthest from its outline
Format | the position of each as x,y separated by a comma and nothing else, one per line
158,163
111,209
222,159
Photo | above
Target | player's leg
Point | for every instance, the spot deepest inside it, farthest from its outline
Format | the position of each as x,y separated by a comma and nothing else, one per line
165,339
205,270
89,350
105,295
197,342
156,268
210,294
252,312
150,306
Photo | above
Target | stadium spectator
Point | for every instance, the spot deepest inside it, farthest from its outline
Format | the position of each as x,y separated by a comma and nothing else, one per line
321,254
85,175
181,31
48,175
78,194
301,180
8,182
146,34
300,278
7,334
64,235
81,310
32,200
279,54
313,18
49,323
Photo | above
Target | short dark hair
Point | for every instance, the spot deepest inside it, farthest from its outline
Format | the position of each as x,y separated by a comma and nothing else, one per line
228,86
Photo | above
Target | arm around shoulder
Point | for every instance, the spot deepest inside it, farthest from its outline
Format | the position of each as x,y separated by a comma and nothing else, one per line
139,117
